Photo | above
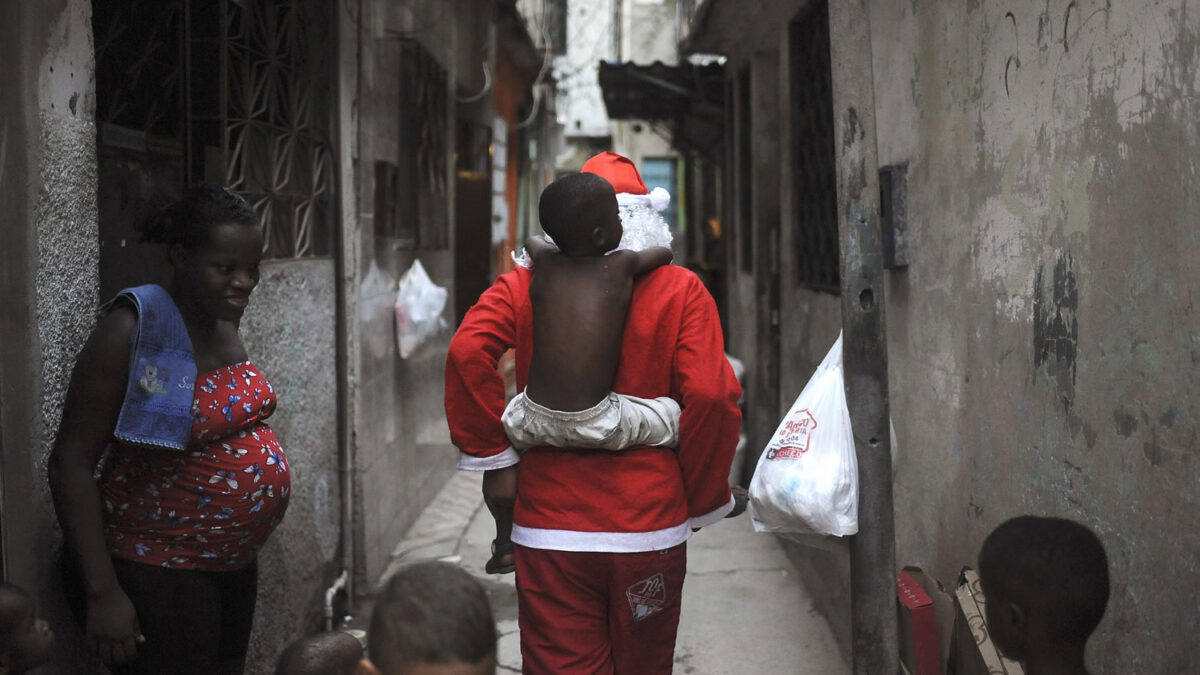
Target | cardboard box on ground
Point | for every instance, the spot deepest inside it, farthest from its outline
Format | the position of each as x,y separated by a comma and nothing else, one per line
958,633
974,653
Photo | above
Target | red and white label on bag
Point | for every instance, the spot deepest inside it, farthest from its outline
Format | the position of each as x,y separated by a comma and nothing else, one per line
793,435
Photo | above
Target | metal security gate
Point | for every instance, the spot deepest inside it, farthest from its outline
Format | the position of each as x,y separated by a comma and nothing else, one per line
815,188
231,92
273,117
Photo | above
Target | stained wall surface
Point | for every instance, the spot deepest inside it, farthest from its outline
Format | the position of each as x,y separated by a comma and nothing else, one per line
1042,341
50,284
402,444
289,334
47,180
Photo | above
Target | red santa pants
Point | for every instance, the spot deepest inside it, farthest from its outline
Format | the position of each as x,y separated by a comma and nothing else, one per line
585,613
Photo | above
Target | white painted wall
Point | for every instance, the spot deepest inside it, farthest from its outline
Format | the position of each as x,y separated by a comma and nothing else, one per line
589,40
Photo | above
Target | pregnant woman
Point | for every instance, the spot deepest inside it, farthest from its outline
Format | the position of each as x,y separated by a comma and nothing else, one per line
193,482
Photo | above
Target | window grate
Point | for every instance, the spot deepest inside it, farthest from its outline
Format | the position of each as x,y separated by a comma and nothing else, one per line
814,164
745,171
139,75
275,138
421,188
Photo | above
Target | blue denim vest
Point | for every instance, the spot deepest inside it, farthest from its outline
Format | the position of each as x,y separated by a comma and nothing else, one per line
157,412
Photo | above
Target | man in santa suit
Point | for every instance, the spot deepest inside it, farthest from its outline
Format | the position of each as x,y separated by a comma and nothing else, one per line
601,536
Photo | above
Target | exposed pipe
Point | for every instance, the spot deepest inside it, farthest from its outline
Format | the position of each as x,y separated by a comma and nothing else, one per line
346,309
330,593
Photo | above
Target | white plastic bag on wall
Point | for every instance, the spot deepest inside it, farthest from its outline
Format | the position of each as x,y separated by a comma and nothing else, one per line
376,306
419,305
807,478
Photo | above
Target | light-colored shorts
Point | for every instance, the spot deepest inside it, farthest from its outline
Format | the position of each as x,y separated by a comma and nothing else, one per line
619,421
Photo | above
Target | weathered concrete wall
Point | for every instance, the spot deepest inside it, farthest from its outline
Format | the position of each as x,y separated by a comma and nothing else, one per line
289,333
402,448
50,242
590,38
1042,342
19,181
648,31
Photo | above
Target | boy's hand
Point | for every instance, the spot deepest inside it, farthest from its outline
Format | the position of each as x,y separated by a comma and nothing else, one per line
741,497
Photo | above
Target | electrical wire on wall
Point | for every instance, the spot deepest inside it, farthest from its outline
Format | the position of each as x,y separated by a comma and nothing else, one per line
537,82
487,84
485,65
402,34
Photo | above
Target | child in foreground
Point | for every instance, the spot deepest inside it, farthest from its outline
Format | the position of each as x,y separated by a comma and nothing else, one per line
579,294
25,640
1046,584
431,618
330,653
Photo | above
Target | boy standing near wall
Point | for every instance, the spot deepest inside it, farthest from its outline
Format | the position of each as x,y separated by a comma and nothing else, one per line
1046,584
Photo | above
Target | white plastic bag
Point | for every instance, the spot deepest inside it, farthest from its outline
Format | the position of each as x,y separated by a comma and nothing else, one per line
376,306
419,305
807,478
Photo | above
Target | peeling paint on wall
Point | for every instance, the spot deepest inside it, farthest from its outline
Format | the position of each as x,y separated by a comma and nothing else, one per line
1055,330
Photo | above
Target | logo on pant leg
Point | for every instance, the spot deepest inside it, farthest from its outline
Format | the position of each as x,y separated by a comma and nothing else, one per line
647,596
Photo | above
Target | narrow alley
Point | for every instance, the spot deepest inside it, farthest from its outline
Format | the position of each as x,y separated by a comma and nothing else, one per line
744,607
992,207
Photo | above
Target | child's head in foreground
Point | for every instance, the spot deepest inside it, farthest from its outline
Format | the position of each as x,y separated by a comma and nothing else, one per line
579,211
331,653
25,640
1046,585
432,618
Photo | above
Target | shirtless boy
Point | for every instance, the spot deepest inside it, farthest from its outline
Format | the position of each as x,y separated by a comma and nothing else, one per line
580,295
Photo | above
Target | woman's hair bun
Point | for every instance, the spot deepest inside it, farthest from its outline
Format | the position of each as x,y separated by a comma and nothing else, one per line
188,220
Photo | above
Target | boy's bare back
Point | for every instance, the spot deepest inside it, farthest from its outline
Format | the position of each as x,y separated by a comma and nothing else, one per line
579,307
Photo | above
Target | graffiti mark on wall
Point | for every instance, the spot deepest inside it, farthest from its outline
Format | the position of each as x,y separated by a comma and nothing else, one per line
1055,331
1013,60
1048,33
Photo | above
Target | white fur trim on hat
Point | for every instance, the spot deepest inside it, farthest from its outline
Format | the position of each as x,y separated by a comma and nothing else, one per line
658,199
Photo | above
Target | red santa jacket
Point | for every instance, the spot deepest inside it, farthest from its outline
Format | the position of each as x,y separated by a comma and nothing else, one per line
639,499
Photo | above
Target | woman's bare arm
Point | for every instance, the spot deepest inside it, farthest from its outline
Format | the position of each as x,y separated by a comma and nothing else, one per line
93,404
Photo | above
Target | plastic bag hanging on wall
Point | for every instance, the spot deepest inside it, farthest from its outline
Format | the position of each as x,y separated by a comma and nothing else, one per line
807,477
419,305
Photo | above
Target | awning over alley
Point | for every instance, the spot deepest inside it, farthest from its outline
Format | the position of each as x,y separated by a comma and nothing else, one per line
688,97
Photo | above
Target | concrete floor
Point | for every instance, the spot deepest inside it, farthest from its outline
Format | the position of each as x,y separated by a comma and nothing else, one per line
744,610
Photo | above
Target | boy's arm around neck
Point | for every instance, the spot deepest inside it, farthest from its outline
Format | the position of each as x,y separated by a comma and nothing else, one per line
648,259
537,246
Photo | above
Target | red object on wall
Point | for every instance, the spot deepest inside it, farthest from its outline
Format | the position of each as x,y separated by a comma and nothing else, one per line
918,628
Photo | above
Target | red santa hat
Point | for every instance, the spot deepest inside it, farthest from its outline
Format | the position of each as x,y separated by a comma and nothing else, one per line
626,181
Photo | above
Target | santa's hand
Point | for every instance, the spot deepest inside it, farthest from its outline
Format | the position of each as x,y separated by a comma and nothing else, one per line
741,497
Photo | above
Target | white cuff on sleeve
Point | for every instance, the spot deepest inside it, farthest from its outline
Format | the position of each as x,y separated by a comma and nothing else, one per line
711,517
498,461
